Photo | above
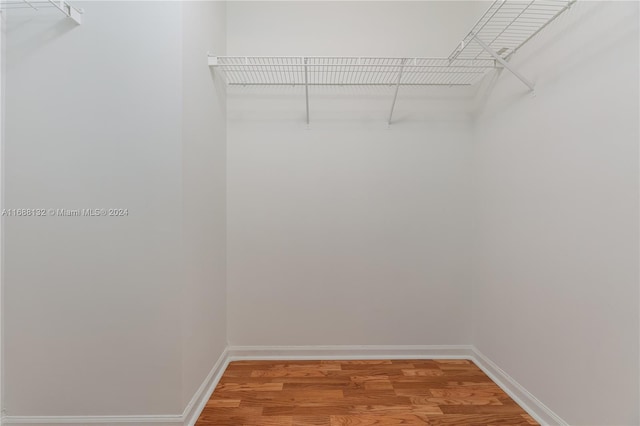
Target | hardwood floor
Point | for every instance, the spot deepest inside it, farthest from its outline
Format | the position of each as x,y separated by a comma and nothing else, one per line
359,393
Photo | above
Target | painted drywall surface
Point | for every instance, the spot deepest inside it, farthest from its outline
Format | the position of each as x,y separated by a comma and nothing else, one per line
350,28
93,318
2,120
347,232
556,290
204,194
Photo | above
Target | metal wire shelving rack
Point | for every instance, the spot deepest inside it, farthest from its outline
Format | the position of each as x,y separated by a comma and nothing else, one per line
507,25
350,71
63,6
503,29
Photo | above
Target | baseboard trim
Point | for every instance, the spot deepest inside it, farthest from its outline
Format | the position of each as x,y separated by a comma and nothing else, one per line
540,412
164,420
202,395
237,353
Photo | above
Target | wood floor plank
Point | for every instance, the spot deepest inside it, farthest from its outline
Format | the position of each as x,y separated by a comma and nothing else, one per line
223,402
379,366
367,362
481,409
318,385
284,372
423,372
378,385
418,410
373,420
222,420
311,421
477,420
359,393
464,393
234,411
296,397
297,410
253,387
455,401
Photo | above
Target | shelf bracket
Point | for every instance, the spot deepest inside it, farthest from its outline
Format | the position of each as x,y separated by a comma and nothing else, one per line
504,63
63,6
66,8
395,95
306,87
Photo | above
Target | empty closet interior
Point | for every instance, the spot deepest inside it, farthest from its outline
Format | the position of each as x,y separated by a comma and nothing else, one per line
185,184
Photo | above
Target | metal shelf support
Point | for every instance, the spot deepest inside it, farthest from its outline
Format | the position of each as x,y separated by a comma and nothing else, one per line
67,9
504,63
306,86
395,95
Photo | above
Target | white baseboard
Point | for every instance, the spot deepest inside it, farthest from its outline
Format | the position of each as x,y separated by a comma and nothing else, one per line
532,405
163,420
349,352
202,395
517,392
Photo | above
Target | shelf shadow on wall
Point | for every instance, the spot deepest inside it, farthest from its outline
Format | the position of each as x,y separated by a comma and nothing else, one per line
47,28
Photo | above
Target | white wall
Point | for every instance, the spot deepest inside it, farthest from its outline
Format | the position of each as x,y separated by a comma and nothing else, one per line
2,107
349,28
204,198
93,121
347,233
556,278
114,316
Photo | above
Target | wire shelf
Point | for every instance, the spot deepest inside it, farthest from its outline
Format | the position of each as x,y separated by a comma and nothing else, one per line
63,6
350,71
503,29
507,25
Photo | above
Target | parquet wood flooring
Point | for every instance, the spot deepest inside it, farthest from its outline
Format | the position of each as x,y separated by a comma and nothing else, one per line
359,393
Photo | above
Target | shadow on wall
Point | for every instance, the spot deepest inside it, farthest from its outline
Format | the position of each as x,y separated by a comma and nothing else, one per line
51,28
581,15
220,87
349,104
